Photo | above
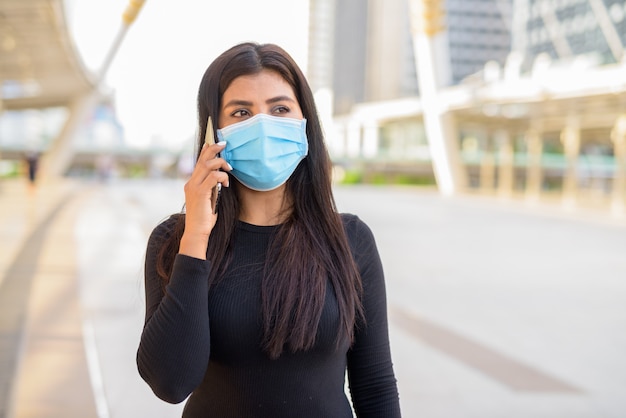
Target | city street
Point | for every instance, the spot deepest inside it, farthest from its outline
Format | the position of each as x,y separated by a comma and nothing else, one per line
497,309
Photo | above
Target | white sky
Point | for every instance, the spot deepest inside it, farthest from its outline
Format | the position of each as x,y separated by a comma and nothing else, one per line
158,67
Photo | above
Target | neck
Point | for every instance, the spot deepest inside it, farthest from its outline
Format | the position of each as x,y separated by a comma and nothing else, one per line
263,208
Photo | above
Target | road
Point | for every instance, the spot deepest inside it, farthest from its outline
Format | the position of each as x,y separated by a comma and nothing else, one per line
496,308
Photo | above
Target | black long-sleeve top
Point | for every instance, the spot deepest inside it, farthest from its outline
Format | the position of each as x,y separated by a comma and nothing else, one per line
206,343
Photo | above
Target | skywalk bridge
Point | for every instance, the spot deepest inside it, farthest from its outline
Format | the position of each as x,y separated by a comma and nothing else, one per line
40,67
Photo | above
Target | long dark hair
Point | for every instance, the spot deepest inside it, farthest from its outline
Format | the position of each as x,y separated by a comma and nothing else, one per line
308,249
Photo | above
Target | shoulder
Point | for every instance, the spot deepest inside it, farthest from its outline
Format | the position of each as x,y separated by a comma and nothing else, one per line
366,257
352,223
164,230
360,236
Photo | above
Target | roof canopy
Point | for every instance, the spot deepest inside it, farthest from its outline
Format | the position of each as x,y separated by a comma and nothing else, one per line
39,64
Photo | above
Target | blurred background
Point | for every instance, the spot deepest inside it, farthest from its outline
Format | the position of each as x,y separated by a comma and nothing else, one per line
527,96
491,135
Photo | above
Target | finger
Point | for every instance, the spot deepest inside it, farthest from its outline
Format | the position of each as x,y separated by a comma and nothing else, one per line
209,152
199,173
204,166
223,178
215,177
216,164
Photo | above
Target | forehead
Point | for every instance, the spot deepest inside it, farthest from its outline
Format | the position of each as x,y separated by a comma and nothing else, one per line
261,85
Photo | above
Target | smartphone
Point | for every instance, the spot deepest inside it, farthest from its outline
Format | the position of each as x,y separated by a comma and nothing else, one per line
209,139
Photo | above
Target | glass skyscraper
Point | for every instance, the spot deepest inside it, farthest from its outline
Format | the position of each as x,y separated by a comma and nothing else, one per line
479,31
564,29
363,49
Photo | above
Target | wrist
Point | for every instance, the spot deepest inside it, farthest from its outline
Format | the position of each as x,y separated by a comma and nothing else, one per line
194,245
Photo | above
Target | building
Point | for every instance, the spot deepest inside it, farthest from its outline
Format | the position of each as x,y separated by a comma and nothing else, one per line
479,31
546,115
363,50
565,29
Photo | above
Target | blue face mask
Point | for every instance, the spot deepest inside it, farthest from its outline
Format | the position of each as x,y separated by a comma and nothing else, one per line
264,150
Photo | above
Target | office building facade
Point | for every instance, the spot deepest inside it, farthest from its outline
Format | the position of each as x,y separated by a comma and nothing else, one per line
565,29
363,50
479,31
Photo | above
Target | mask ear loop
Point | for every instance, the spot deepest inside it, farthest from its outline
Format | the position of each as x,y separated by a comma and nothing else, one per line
209,139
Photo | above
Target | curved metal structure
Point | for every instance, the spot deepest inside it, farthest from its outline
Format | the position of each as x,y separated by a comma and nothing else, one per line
39,64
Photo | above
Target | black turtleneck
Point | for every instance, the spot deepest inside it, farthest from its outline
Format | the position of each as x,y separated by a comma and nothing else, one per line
205,345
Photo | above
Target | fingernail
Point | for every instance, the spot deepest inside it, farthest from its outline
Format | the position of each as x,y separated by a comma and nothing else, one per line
230,166
222,143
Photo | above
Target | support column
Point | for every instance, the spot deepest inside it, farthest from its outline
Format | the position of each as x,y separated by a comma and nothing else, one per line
618,137
534,175
506,166
487,164
570,137
430,42
59,157
337,147
370,139
1,109
353,139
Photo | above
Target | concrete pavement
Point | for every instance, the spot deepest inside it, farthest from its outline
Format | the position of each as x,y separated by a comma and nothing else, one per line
43,365
501,309
497,309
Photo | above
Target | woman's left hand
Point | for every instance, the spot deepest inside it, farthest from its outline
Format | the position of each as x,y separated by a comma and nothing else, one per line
200,215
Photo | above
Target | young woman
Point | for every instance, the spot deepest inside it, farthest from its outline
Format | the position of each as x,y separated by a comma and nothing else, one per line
257,307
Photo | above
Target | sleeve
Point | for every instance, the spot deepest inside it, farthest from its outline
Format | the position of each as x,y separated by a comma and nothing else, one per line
370,370
174,348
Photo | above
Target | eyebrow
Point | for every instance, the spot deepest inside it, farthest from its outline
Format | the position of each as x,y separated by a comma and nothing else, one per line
279,99
237,102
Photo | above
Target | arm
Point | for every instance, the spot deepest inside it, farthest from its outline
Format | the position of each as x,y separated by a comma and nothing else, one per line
175,343
370,369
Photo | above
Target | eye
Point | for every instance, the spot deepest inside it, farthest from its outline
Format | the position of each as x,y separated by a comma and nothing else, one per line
240,113
281,109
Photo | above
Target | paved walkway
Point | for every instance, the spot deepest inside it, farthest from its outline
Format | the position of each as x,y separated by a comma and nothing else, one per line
43,366
497,309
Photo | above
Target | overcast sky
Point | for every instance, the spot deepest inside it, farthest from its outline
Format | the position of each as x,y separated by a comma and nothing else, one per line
159,65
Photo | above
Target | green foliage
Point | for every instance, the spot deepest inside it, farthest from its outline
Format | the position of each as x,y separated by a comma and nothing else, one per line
9,169
355,176
136,171
352,177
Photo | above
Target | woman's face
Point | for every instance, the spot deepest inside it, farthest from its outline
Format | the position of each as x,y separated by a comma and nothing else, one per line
266,92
